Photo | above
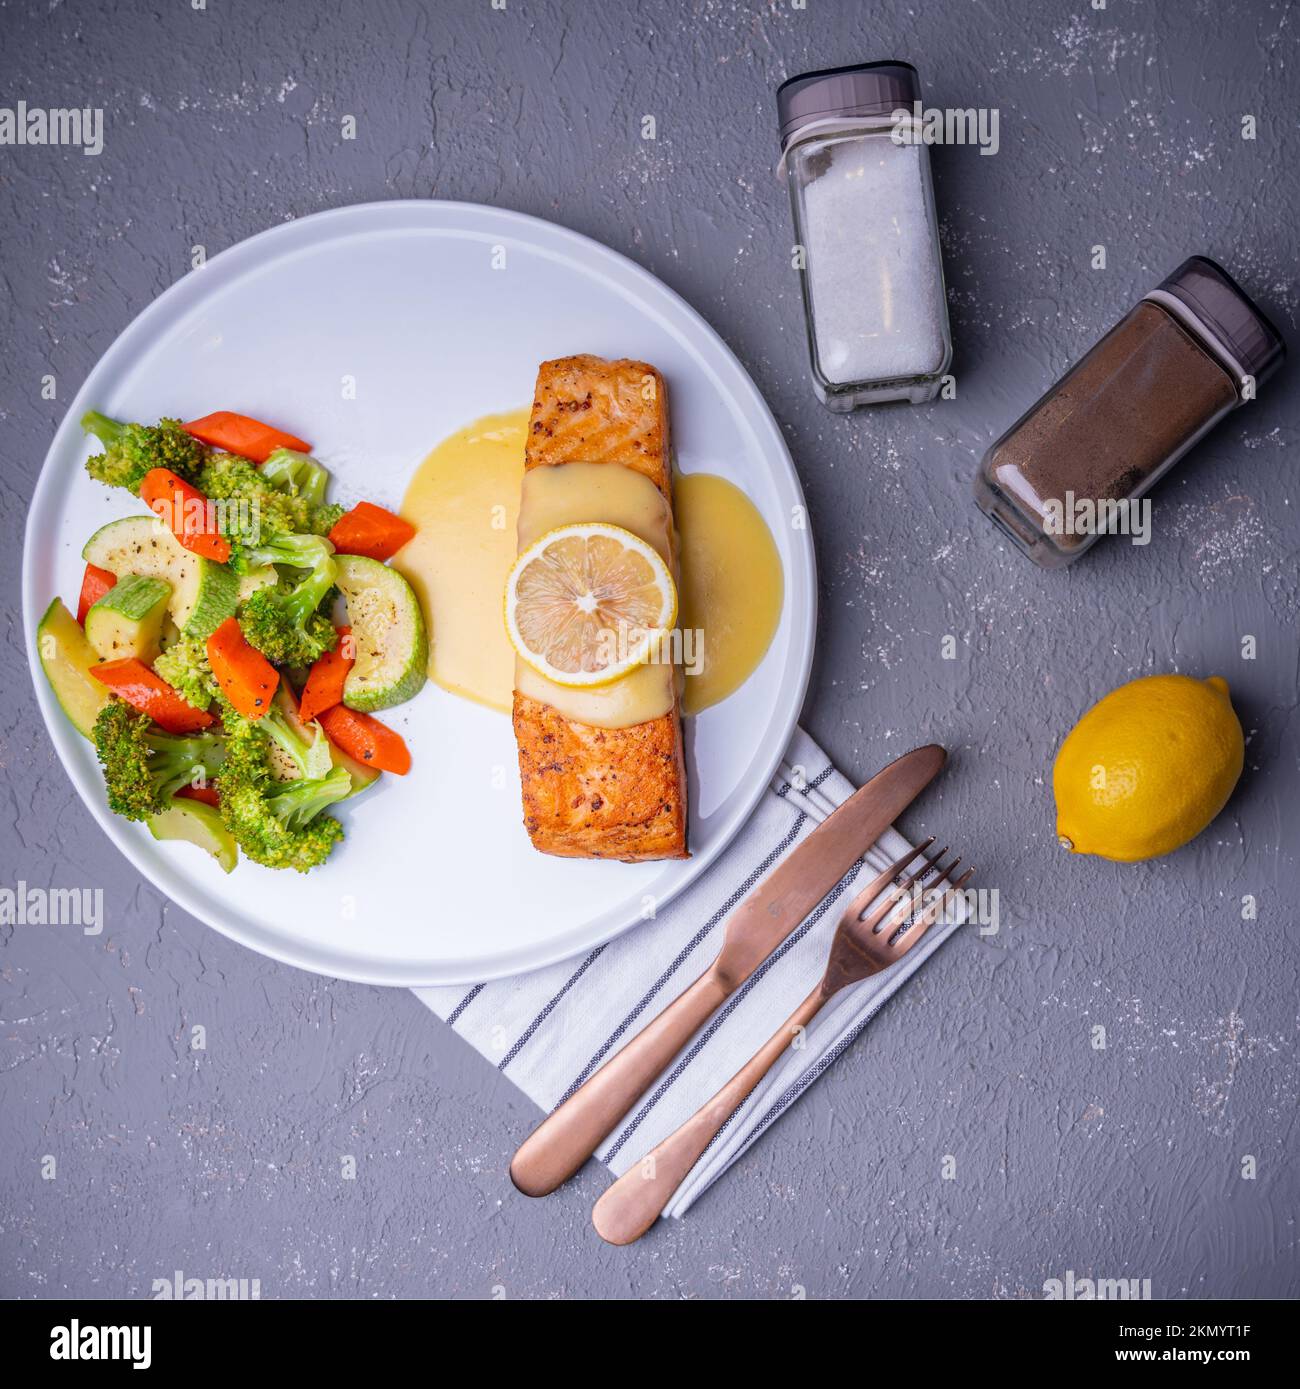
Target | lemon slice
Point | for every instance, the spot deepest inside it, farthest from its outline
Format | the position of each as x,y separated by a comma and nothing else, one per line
588,603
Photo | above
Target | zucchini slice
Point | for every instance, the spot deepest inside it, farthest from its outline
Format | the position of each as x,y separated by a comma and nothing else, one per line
392,650
203,593
195,822
66,658
128,619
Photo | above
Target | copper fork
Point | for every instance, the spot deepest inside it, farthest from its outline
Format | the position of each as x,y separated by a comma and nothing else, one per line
868,939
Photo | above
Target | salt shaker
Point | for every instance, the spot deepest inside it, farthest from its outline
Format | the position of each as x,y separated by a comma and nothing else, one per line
1072,467
867,234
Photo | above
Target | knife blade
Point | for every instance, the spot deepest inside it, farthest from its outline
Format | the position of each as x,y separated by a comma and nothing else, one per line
795,886
562,1142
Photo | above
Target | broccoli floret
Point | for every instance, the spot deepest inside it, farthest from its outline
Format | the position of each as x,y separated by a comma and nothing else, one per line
279,823
131,450
143,765
325,517
184,666
293,551
282,620
274,622
298,474
266,511
297,803
283,501
275,846
307,760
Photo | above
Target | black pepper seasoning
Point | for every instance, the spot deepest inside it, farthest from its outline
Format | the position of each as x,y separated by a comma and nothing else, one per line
1186,355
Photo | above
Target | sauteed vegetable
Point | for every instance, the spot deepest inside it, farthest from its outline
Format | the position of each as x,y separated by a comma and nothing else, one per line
195,627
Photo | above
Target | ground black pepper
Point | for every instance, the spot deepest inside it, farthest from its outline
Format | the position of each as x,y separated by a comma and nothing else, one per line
1179,361
1116,419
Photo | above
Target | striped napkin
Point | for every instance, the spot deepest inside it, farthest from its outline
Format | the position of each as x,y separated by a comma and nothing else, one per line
550,1029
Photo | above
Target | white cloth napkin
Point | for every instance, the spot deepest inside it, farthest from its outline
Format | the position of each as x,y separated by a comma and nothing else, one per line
550,1029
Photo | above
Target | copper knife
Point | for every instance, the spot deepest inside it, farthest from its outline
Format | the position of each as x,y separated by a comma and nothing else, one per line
561,1143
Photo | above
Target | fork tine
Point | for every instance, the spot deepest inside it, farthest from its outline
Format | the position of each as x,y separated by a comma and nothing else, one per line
948,870
902,894
927,867
913,931
856,908
924,871
908,903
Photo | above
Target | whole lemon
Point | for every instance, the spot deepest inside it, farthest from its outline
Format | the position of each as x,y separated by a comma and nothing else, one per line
1147,767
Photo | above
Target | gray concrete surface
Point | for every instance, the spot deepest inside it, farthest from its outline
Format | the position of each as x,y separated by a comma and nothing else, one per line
1120,127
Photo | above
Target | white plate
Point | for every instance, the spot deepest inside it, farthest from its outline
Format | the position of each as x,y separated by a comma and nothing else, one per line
375,331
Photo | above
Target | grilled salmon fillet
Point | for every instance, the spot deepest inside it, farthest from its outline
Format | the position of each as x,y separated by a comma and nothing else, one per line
617,793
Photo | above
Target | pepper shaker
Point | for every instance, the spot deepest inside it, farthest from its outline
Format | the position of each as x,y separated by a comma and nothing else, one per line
1189,352
867,233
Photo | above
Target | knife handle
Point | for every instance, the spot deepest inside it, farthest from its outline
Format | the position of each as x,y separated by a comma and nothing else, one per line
560,1144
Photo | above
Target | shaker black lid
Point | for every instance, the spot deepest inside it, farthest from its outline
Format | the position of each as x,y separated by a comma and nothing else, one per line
866,89
1219,302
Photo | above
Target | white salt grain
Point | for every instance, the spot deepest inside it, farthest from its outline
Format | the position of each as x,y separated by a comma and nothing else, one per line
874,278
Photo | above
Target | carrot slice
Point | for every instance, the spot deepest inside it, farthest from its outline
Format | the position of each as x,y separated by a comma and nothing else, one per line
362,736
206,794
185,509
324,687
371,531
246,677
243,435
134,682
95,583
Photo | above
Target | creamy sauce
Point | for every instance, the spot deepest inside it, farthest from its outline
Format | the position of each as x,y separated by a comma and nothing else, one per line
732,586
465,502
574,492
645,693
